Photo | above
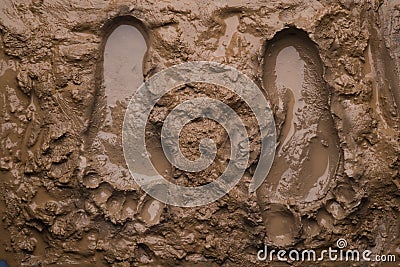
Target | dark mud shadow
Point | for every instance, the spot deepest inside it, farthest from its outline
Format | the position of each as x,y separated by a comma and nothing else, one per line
119,75
307,154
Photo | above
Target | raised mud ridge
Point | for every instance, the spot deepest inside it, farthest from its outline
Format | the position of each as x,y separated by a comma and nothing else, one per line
307,153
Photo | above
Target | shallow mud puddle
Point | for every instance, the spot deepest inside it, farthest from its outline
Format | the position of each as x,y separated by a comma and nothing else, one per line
158,158
289,70
123,63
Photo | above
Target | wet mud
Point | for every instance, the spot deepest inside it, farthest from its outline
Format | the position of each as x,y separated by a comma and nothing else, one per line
330,70
307,153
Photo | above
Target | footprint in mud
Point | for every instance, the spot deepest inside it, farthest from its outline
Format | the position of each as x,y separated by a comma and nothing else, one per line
307,152
122,74
120,206
151,210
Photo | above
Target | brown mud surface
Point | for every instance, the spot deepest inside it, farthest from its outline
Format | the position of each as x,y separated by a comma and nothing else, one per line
330,70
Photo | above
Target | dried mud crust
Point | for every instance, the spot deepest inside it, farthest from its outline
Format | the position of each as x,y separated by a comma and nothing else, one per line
54,211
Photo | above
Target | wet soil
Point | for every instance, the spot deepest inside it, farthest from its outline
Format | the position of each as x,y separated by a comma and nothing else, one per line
330,70
307,154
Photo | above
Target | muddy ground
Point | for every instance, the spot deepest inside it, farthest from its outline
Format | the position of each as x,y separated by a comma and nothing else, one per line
330,70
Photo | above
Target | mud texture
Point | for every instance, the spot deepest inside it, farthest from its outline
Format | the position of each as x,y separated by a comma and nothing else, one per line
330,70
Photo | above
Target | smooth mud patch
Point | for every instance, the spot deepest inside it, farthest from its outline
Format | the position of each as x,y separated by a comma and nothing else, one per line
123,63
157,156
281,225
151,211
